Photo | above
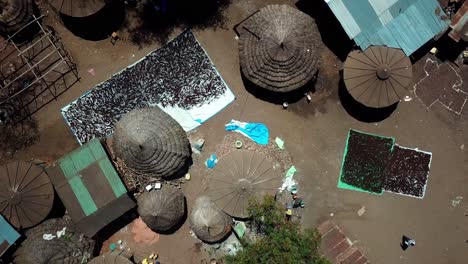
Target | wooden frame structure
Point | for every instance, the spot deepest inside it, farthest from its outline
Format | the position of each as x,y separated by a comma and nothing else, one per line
33,72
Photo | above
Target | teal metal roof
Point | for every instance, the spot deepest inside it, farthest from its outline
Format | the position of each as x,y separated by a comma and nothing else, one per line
8,235
404,24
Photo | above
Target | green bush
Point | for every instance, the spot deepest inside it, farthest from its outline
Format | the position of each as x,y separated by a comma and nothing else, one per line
282,241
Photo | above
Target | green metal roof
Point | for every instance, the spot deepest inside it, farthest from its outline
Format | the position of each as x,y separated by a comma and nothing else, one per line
87,183
404,24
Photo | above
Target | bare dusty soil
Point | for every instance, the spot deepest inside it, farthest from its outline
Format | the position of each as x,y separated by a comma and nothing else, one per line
315,136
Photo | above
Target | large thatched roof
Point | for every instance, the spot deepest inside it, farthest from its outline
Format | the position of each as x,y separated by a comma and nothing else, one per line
78,8
240,176
14,14
208,222
110,259
279,48
162,210
378,76
70,248
151,142
26,192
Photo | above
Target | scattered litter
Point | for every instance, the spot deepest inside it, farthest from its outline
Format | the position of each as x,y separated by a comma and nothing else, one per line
407,98
456,202
198,145
211,162
48,236
238,144
236,37
462,147
92,71
285,105
257,132
361,211
240,228
119,242
61,232
279,142
112,246
149,187
157,186
332,214
188,176
288,182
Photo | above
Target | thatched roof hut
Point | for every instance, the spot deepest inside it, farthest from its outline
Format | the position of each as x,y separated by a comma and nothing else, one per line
77,8
162,210
279,48
151,142
110,259
71,247
27,193
14,14
208,222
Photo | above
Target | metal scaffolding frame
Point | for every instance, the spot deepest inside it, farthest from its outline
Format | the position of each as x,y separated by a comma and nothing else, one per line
33,73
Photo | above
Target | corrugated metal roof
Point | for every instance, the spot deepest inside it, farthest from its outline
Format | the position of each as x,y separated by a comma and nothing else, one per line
89,187
459,24
404,24
8,235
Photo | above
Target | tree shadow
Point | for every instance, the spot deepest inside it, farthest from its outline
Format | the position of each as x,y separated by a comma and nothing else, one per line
17,136
155,20
360,111
279,97
98,26
333,34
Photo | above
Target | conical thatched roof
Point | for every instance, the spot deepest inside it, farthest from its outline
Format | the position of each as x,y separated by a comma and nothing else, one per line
162,210
110,259
279,48
150,142
14,14
70,248
208,222
27,193
78,8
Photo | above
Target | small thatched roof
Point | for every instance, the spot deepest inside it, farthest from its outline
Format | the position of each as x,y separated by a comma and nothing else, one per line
14,14
110,259
27,193
151,142
162,210
71,248
279,48
208,222
77,8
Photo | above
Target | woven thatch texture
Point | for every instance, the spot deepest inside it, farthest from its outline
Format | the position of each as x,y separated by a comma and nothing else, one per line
14,14
208,222
162,210
71,248
150,142
77,8
110,259
279,48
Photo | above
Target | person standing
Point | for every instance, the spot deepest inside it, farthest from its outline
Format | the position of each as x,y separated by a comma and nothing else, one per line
407,242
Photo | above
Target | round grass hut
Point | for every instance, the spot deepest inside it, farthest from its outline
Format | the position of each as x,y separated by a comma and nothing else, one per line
162,210
152,143
43,246
208,222
110,259
14,14
279,48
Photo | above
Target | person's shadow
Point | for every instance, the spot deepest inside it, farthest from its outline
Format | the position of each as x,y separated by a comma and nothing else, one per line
403,244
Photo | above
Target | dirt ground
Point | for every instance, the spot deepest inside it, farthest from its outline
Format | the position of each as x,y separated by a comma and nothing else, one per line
314,135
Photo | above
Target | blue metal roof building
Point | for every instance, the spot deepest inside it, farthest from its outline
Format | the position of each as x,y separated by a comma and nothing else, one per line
404,24
8,235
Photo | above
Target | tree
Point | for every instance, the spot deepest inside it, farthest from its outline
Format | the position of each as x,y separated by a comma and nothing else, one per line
282,241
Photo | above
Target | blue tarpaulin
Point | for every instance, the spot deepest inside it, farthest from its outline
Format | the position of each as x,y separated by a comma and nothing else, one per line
257,132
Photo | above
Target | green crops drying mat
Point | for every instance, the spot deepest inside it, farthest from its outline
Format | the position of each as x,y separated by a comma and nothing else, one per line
364,161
